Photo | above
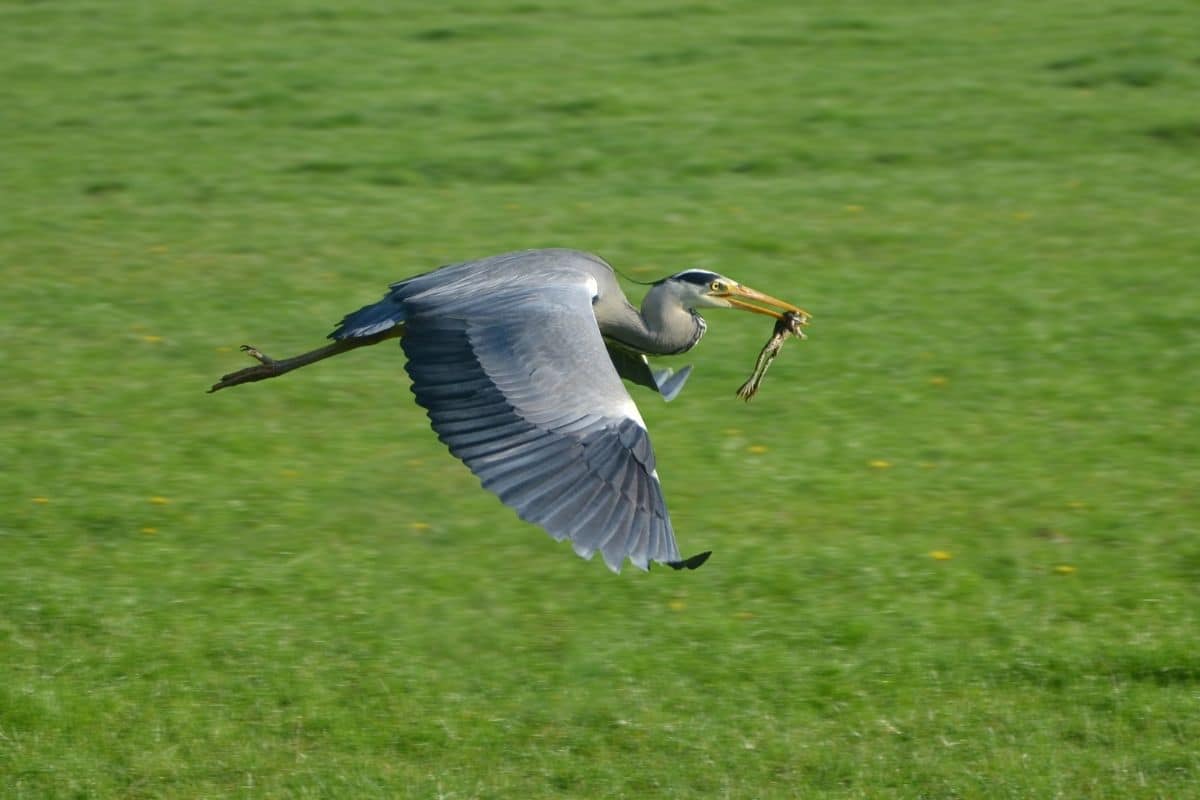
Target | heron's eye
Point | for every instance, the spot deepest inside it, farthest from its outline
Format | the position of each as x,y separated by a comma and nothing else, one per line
717,286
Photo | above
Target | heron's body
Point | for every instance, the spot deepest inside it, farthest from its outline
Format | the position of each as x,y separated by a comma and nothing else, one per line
518,360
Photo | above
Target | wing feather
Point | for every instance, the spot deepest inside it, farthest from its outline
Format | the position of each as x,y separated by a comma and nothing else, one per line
518,384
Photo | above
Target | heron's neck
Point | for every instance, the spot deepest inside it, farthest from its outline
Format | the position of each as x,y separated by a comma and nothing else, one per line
658,329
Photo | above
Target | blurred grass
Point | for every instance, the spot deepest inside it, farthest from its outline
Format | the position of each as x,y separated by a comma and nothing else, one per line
292,590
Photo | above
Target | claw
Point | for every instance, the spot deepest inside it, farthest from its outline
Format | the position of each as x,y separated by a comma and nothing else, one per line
267,367
257,355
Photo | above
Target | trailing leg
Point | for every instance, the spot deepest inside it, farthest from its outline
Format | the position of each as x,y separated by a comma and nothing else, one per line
268,367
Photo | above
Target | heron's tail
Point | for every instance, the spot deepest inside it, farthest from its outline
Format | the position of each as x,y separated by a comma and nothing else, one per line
370,320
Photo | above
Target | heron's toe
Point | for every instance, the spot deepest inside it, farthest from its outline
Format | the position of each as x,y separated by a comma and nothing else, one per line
257,355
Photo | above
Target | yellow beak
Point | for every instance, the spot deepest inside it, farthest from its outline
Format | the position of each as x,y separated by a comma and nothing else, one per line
741,296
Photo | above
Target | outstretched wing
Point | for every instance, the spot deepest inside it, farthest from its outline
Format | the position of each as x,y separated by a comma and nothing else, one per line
519,385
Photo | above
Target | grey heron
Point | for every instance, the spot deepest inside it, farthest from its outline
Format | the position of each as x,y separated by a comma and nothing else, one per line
518,360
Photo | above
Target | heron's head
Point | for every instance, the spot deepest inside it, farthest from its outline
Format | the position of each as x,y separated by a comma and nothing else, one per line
699,288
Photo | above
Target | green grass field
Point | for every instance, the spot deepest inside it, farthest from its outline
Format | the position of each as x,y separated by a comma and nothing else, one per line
956,538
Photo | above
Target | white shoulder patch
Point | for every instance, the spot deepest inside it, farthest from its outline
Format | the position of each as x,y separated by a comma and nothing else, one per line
630,410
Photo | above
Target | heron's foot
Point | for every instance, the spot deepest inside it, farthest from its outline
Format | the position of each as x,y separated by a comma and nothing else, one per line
266,367
257,355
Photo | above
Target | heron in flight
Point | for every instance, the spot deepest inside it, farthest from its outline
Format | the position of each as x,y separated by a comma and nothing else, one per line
518,360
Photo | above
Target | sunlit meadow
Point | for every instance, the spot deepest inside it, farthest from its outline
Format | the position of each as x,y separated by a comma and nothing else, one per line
955,534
